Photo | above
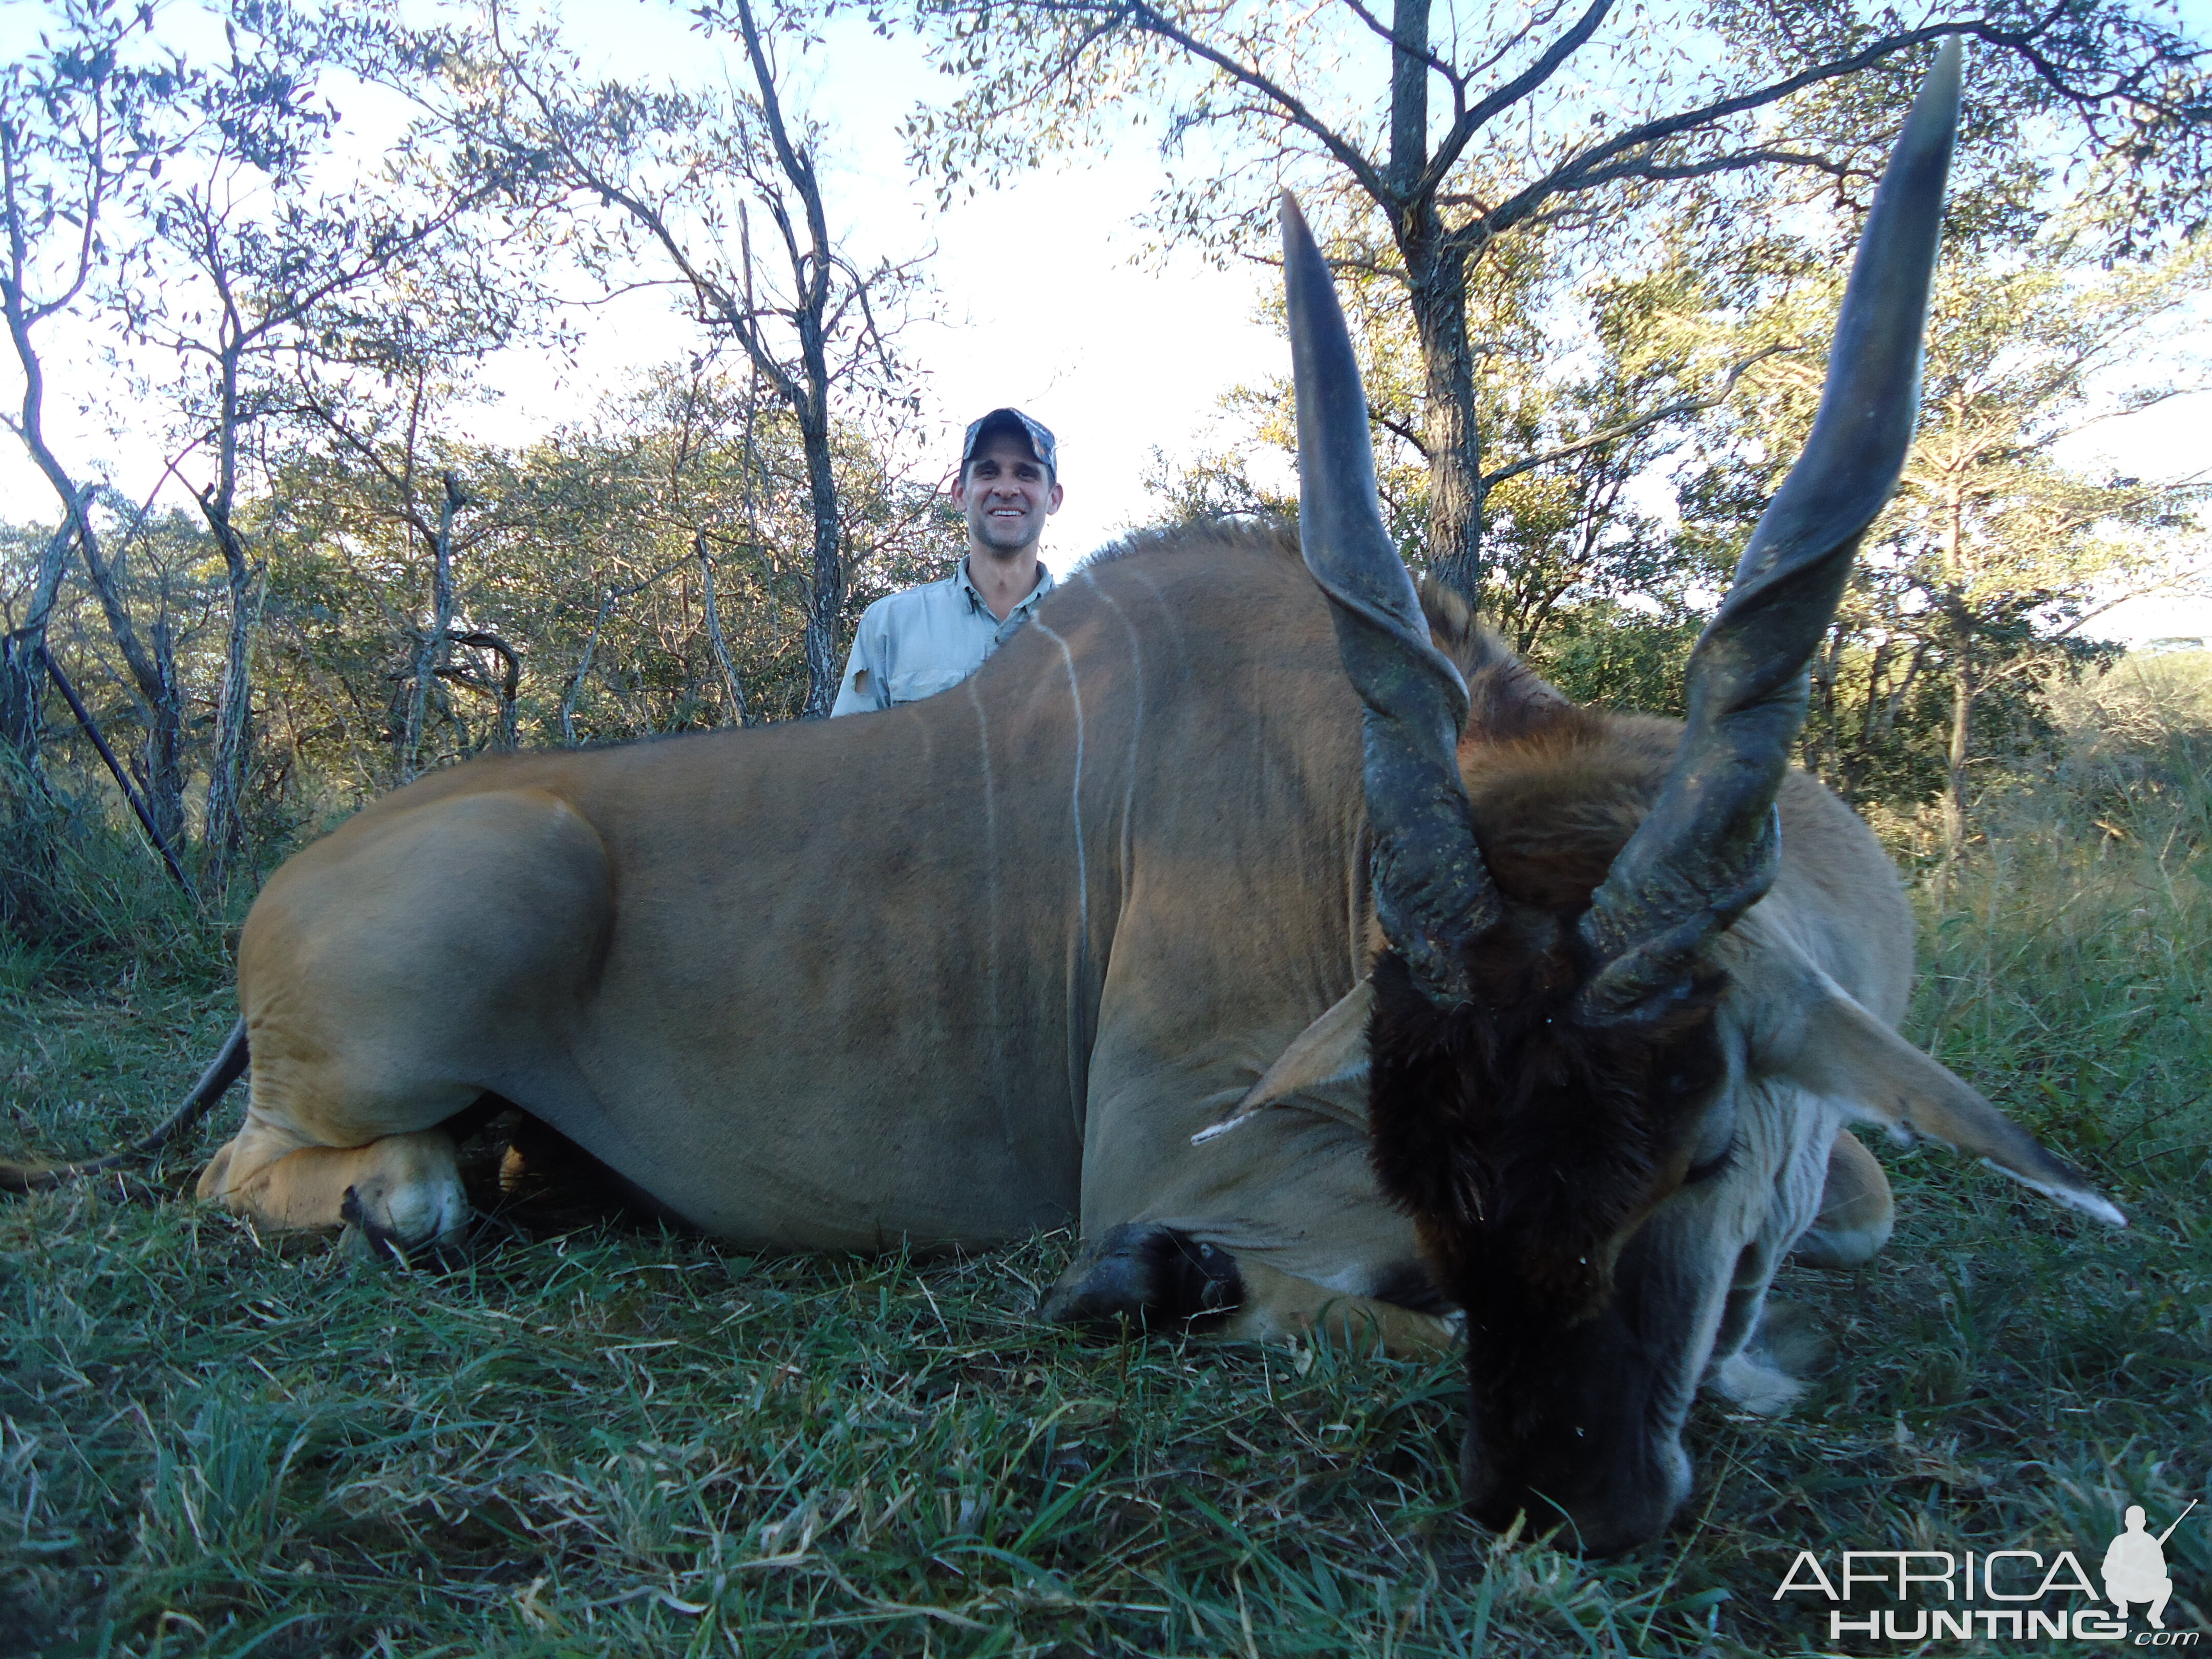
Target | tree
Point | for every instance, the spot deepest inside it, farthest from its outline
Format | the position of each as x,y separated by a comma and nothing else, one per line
80,130
384,442
668,164
1555,122
1563,528
265,280
151,571
1996,556
239,265
579,607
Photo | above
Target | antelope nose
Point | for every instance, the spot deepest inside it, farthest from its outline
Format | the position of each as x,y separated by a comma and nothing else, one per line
1600,1506
1611,1527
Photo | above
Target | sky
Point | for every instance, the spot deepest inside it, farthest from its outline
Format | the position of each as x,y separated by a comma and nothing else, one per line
1043,301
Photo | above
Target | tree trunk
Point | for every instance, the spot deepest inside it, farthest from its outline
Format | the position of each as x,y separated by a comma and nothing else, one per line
222,827
509,687
575,690
22,718
810,398
115,767
436,643
1409,96
22,649
22,655
1851,769
153,666
1955,776
825,586
1962,687
1819,739
1438,280
713,618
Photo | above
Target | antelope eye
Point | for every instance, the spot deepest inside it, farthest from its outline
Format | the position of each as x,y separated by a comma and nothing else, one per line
1714,1148
1706,1169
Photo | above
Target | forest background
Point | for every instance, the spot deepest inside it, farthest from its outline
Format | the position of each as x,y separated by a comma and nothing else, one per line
297,544
325,330
388,383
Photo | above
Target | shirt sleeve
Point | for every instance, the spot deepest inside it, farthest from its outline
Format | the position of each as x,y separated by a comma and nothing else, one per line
862,688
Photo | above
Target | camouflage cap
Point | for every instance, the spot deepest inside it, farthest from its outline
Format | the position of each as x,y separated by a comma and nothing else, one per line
1034,433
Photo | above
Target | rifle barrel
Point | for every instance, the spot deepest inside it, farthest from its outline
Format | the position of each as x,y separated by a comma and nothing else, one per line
2177,1520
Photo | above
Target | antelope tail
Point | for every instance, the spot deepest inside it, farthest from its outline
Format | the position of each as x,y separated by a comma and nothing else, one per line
225,1069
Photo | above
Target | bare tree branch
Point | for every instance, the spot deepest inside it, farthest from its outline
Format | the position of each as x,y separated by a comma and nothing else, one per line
1671,411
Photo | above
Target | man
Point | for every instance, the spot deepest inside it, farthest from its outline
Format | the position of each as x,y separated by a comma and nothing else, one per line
917,643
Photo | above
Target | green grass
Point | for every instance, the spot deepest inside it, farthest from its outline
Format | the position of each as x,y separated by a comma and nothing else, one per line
590,1437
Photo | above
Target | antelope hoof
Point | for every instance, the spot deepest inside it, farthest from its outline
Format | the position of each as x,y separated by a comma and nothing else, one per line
385,1219
1147,1277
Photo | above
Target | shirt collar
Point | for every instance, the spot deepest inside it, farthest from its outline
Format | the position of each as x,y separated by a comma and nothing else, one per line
976,601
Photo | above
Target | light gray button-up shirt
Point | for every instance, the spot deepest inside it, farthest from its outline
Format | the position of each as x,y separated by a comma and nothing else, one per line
926,639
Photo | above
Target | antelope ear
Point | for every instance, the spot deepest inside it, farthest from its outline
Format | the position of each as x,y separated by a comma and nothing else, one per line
1846,1054
1332,1049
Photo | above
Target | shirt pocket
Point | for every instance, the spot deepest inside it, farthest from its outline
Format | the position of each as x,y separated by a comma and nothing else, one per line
912,685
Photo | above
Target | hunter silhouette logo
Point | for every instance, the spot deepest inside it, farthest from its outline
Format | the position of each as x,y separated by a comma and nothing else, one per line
2135,1565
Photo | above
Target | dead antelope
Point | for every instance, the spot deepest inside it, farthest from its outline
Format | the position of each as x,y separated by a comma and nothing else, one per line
944,974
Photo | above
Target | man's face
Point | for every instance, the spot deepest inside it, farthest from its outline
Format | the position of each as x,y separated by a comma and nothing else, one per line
1007,494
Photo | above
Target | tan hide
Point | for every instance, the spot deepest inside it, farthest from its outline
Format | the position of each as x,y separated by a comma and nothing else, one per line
1332,1049
941,974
